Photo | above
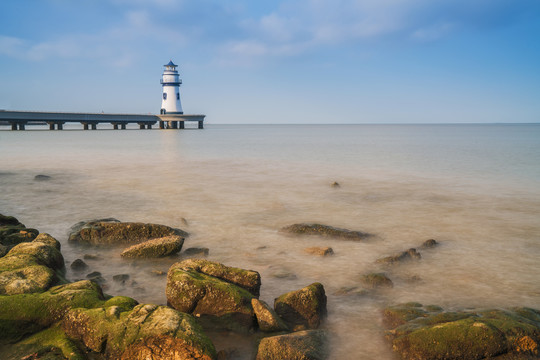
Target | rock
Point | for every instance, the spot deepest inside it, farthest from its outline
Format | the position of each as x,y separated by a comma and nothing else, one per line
197,251
325,230
24,314
376,280
336,185
48,240
411,254
31,267
13,232
158,272
472,334
155,248
111,232
42,177
284,275
319,250
96,277
351,291
428,244
266,317
144,332
3,250
121,278
304,308
302,345
78,265
91,257
219,295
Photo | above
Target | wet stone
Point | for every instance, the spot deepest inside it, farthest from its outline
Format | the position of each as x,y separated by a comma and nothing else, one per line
121,278
42,177
197,251
428,244
78,265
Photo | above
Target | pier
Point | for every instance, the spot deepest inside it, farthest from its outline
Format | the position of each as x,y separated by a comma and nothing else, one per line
19,120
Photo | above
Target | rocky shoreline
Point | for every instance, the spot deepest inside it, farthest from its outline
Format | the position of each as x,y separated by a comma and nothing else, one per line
44,316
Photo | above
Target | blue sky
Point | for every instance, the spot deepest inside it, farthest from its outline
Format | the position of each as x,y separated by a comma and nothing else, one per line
289,61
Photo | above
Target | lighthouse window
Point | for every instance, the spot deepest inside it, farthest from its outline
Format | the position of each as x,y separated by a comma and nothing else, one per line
177,96
164,96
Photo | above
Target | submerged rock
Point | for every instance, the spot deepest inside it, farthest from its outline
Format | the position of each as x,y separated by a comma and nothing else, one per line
155,248
428,244
325,230
111,232
42,177
304,308
302,345
267,319
376,280
411,254
429,332
219,295
319,250
78,265
196,251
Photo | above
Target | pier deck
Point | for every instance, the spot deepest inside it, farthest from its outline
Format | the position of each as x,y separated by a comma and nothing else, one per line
56,120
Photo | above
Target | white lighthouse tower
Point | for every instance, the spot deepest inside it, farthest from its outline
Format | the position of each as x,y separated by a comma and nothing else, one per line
170,103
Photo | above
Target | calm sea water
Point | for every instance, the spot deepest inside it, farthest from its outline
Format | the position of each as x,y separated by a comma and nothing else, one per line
474,188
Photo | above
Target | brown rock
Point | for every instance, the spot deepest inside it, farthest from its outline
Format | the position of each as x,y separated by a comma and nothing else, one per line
319,250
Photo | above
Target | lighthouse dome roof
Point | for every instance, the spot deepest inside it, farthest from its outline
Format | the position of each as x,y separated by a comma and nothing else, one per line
170,64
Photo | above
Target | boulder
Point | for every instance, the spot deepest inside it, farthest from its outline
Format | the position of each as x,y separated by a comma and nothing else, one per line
304,308
267,319
42,177
429,332
155,248
217,294
376,280
31,267
302,345
13,232
78,265
319,250
143,332
111,232
326,231
411,254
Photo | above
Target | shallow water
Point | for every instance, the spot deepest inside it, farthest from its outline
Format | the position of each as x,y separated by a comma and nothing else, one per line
474,188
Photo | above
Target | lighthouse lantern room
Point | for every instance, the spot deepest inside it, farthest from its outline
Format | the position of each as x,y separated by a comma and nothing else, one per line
170,103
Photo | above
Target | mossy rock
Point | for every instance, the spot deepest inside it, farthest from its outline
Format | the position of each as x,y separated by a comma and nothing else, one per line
326,231
267,319
113,232
217,303
146,331
302,345
11,235
247,279
25,314
154,248
304,308
8,220
438,334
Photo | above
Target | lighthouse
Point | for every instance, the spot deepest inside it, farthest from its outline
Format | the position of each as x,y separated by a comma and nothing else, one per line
170,103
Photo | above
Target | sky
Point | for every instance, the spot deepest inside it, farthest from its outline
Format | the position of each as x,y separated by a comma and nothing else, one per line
288,61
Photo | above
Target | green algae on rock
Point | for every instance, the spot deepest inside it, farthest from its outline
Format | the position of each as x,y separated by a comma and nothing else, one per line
213,292
13,232
325,230
112,232
138,333
411,254
429,332
301,345
154,248
267,319
304,308
376,280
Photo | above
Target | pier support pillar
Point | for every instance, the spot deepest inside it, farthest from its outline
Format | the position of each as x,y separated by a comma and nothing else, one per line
21,126
115,126
149,127
123,126
60,126
182,125
201,125
51,126
162,124
14,126
174,124
142,126
85,126
94,126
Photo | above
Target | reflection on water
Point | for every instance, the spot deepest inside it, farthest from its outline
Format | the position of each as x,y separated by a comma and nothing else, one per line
237,186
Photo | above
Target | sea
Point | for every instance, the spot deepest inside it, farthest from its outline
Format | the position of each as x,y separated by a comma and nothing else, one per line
474,188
